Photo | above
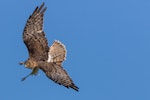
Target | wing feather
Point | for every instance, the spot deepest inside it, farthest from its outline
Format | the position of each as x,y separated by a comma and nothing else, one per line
34,36
56,73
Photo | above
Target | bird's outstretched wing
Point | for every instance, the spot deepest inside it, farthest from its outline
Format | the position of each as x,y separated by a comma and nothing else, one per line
34,37
57,52
40,55
56,73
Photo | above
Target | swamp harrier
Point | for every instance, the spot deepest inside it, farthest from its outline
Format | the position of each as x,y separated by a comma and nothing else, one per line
41,56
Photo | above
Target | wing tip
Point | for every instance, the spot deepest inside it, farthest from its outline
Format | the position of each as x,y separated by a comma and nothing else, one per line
40,9
73,86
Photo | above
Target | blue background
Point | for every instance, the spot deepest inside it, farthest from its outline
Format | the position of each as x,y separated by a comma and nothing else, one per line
108,49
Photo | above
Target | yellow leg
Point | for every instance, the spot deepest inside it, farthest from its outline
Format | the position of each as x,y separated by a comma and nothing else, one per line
34,72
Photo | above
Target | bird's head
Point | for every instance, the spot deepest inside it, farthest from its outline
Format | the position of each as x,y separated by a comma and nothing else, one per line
30,63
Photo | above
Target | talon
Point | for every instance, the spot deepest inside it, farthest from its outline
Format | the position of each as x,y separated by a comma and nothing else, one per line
23,79
21,63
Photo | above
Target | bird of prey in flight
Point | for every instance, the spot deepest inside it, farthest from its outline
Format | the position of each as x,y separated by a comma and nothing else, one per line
41,56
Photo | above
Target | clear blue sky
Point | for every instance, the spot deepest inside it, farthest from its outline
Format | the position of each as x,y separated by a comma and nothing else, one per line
108,43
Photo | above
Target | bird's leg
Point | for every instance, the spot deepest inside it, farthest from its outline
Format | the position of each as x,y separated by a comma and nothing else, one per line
25,77
34,72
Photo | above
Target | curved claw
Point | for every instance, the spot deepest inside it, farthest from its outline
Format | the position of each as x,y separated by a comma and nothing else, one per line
21,63
25,77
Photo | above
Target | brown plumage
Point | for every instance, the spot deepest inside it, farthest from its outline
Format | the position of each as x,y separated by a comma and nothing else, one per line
41,56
